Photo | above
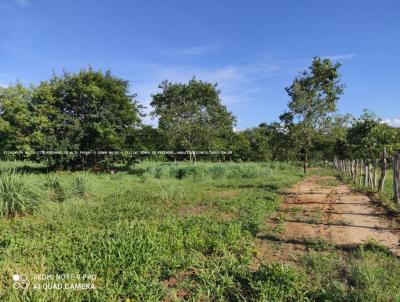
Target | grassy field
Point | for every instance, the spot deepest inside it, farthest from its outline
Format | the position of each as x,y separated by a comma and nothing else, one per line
171,232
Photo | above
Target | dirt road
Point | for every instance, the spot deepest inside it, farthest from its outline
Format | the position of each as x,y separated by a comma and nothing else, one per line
320,207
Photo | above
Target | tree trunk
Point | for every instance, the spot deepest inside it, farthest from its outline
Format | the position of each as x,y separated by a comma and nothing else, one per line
305,161
383,171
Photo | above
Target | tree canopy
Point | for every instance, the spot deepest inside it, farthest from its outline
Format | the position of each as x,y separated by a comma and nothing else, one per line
87,112
192,117
314,94
92,117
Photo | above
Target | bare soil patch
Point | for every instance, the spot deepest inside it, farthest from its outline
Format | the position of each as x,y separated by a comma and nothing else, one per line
322,211
172,284
318,208
195,210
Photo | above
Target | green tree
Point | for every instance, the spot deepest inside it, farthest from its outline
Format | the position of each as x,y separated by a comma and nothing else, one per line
192,117
90,111
258,138
331,139
368,137
240,147
15,120
314,94
282,140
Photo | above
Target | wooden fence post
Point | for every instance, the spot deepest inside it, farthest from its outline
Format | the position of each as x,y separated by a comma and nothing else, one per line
352,170
383,171
370,183
366,174
355,171
348,169
396,176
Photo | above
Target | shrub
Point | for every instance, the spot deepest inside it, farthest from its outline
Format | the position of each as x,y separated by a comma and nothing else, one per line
56,191
17,196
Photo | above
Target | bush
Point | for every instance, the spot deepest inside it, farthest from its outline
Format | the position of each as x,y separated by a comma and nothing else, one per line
56,191
17,196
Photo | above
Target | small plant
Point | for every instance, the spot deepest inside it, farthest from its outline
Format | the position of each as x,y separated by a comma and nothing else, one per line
56,191
17,196
372,244
318,244
81,187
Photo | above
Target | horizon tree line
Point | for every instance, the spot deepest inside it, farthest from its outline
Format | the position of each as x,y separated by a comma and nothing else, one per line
94,110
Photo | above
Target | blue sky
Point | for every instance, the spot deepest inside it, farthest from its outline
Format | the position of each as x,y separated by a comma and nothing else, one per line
253,49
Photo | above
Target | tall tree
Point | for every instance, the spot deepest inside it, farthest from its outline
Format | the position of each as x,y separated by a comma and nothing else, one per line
314,94
191,116
15,120
89,111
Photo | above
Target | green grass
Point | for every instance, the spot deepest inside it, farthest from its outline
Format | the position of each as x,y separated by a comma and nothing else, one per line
365,274
388,188
134,231
154,233
203,170
17,195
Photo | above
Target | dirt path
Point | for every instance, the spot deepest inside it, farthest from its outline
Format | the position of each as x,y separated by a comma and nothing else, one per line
320,207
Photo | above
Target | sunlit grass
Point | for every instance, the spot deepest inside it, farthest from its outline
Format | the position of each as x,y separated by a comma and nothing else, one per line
17,194
137,231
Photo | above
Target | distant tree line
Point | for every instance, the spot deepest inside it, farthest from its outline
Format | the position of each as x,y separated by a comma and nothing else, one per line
93,111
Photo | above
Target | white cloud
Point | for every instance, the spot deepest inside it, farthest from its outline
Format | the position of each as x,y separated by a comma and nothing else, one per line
238,80
395,122
340,57
238,83
197,50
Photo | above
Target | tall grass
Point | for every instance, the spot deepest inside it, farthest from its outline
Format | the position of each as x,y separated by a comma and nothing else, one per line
205,170
81,186
56,190
17,195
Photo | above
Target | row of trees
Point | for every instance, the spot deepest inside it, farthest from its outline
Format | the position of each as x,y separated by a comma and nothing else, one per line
79,115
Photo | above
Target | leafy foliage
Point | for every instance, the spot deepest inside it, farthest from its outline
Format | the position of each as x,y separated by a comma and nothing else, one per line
314,95
17,196
192,117
88,111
